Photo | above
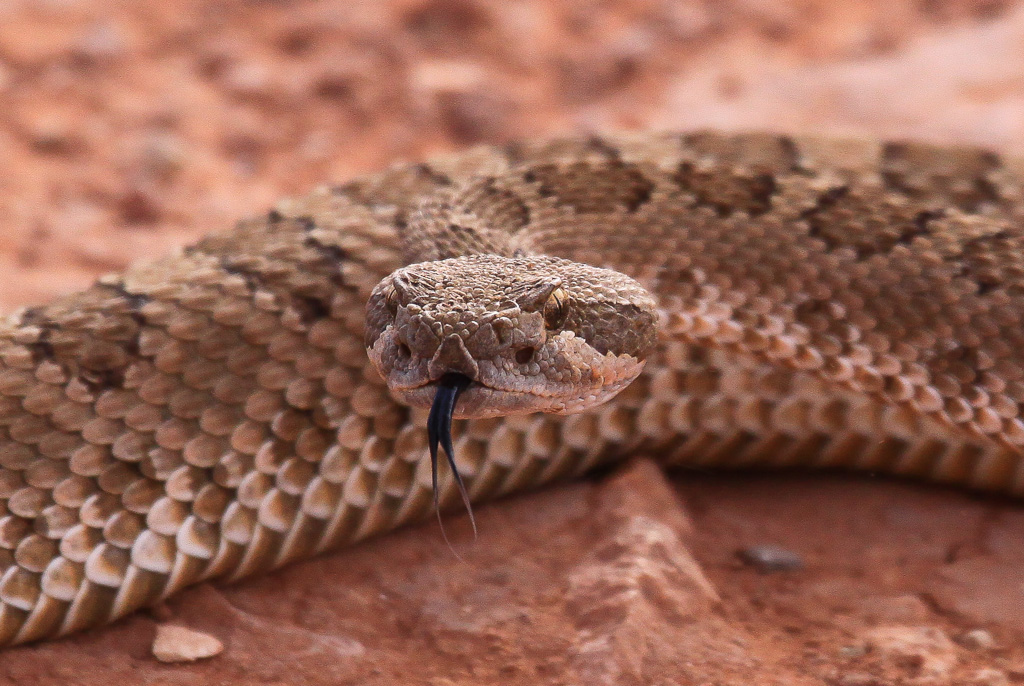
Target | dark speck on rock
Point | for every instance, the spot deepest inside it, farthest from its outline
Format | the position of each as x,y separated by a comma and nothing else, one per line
769,558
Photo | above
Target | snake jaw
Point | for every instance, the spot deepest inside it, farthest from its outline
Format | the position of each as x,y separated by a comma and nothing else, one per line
481,400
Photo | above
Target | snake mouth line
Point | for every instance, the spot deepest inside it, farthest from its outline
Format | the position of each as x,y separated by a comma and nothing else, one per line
439,431
472,384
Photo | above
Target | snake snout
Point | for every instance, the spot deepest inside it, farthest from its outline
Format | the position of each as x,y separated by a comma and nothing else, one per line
452,357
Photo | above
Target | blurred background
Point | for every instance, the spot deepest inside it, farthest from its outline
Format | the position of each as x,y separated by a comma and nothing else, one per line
130,127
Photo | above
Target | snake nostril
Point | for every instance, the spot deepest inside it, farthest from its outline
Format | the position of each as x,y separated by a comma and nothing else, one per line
525,355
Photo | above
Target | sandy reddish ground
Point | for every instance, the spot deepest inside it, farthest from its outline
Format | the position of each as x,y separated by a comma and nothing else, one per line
125,132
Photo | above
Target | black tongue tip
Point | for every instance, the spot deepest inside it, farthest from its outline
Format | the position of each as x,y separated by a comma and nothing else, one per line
439,431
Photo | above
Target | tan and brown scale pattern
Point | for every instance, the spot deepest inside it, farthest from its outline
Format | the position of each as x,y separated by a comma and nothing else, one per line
835,304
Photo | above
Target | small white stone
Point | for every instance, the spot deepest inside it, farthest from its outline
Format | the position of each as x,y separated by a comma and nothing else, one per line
990,677
853,651
181,644
925,644
977,639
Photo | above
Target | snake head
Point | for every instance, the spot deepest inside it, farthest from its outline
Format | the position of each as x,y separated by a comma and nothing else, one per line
530,334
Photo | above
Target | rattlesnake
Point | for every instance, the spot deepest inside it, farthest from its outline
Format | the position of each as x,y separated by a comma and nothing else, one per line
779,301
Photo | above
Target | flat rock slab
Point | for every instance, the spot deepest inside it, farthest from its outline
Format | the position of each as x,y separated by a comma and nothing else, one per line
566,583
605,582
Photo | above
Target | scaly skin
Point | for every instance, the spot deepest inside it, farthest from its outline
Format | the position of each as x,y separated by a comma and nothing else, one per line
821,303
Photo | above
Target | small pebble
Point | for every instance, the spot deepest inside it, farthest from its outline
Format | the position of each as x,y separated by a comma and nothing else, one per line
857,679
770,558
448,76
139,204
928,648
163,155
101,42
53,135
249,81
990,677
180,644
977,639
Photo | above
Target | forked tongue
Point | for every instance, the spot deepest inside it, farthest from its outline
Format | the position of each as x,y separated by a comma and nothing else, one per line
439,430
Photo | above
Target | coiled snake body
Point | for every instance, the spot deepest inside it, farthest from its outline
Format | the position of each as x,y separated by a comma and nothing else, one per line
779,302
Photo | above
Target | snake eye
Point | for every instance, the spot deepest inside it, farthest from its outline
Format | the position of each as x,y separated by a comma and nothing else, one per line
556,309
391,299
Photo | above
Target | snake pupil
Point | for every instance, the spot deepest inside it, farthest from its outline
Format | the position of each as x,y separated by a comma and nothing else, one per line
391,299
556,309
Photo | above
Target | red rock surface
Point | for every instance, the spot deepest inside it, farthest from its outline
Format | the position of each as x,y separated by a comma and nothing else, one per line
125,132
